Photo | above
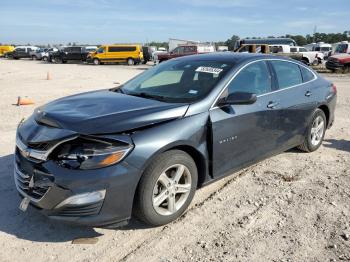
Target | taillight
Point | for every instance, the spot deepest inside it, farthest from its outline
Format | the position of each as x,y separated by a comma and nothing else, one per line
333,88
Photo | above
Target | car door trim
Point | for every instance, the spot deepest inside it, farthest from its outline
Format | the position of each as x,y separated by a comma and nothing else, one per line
272,92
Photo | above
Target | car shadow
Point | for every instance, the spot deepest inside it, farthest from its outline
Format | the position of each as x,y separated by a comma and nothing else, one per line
343,145
31,225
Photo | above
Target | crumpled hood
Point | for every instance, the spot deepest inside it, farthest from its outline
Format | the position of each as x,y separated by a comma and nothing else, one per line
105,111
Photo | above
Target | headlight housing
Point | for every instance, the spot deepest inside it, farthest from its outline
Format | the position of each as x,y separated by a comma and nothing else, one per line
91,153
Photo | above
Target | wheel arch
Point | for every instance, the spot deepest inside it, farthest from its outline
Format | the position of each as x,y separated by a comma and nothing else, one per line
325,110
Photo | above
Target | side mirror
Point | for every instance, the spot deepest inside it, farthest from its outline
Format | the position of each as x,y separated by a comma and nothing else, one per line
238,98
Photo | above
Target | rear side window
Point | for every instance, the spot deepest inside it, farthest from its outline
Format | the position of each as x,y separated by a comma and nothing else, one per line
307,74
76,49
121,48
288,74
255,78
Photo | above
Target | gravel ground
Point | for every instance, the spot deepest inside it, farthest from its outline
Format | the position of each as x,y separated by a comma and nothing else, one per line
292,207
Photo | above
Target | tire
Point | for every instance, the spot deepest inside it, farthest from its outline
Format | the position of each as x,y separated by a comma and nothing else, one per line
130,61
96,61
313,138
154,185
305,61
346,69
45,58
57,60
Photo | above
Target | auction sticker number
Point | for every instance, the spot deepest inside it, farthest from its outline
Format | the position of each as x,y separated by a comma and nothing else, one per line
208,69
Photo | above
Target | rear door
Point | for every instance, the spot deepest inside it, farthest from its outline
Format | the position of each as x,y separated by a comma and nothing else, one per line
242,134
20,52
295,92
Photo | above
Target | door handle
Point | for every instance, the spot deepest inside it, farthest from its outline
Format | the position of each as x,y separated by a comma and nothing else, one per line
308,93
272,105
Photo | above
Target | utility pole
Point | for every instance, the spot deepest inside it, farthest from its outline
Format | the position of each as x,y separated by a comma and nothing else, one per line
315,30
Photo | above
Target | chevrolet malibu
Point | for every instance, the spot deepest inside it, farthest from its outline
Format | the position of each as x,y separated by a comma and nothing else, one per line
143,148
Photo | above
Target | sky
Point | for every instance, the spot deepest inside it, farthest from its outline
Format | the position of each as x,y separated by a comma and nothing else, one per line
107,21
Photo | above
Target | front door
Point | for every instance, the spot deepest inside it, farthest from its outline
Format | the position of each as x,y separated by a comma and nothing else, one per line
242,134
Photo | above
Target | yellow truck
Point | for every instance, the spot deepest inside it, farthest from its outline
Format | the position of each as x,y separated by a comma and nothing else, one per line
5,48
131,54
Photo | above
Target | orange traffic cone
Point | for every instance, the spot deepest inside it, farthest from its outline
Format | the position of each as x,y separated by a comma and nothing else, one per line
24,101
48,76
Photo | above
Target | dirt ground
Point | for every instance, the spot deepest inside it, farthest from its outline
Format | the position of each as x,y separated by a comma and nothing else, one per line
292,207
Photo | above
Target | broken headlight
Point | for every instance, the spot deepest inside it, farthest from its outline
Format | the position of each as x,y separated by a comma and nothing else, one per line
91,153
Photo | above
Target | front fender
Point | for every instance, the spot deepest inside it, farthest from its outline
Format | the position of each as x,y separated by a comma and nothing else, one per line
188,131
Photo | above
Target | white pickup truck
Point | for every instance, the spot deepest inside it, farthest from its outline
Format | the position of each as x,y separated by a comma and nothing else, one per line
308,57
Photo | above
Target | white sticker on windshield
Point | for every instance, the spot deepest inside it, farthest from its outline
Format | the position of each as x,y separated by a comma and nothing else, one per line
210,70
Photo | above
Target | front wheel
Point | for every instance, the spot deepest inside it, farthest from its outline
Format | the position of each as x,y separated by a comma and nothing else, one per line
44,58
96,61
166,188
315,132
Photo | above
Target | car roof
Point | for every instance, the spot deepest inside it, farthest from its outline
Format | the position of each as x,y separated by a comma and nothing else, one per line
231,57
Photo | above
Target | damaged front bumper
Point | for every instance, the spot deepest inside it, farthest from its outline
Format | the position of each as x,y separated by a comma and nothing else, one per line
99,197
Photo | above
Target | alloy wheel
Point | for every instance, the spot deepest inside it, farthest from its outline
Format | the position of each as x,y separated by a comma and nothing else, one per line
171,190
317,130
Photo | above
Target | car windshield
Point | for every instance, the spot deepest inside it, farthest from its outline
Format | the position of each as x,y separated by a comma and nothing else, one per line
177,81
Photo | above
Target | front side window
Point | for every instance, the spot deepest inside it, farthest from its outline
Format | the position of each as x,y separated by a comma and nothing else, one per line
255,78
101,50
178,81
288,74
121,48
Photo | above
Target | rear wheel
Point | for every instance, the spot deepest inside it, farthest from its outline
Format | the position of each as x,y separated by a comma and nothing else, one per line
166,188
130,61
315,132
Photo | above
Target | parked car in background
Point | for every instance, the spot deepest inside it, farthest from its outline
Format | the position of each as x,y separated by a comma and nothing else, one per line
184,50
22,52
42,53
45,55
160,50
324,48
143,149
131,54
339,62
307,57
4,49
36,54
69,53
264,41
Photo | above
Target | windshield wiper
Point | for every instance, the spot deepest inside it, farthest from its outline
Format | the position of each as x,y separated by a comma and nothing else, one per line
146,95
